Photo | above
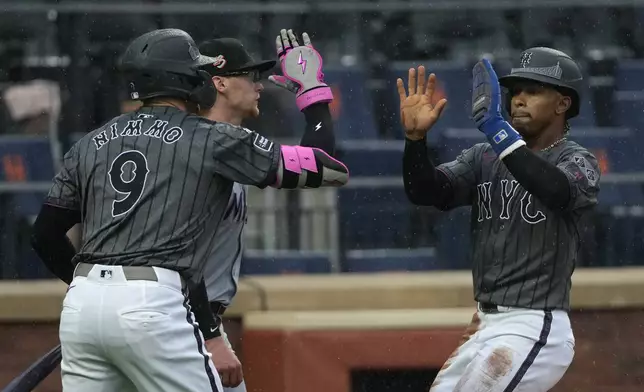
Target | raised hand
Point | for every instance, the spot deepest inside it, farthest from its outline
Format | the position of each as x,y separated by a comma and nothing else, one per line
417,113
301,69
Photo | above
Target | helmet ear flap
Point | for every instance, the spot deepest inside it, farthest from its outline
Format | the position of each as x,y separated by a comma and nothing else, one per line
205,94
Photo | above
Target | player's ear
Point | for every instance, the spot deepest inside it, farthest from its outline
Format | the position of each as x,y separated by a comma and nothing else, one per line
563,104
220,83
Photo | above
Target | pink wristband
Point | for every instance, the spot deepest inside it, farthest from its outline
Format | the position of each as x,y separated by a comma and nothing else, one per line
320,94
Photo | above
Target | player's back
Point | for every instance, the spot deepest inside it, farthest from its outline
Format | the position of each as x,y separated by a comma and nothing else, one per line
150,195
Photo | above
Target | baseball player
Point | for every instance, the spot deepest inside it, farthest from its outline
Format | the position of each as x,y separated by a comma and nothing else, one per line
529,187
236,77
150,189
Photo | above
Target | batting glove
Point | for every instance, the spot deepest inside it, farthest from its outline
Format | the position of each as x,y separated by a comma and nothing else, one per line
302,70
486,111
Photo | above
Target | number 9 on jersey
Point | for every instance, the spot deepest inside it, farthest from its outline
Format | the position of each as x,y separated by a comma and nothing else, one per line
128,174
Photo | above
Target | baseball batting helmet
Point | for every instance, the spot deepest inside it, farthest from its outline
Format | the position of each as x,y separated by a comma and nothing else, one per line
165,63
550,67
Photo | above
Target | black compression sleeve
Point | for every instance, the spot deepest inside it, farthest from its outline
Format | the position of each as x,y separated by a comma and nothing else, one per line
49,240
198,297
424,185
319,128
539,177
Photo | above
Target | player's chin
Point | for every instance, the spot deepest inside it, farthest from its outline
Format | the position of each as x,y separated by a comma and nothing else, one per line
521,125
254,112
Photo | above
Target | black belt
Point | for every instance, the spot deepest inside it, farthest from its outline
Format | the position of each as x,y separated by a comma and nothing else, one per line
217,308
487,307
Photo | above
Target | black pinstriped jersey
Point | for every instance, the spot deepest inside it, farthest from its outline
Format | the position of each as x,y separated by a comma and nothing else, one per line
523,253
152,186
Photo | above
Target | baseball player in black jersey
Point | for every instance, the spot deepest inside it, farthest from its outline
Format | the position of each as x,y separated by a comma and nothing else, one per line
529,188
150,189
236,76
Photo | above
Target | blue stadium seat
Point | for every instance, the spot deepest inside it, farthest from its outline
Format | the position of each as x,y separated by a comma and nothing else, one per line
629,110
629,75
34,155
454,238
381,260
373,158
622,242
374,217
619,145
355,120
22,158
284,262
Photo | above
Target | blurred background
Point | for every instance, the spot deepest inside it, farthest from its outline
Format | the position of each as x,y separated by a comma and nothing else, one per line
58,82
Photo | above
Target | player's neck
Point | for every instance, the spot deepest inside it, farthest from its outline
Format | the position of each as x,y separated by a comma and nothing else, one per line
177,103
224,114
546,139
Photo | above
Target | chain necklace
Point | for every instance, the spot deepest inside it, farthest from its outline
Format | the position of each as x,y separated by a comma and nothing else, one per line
553,145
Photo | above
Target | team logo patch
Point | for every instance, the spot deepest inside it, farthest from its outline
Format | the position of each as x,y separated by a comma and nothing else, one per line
106,274
263,143
591,176
500,136
525,59
220,61
580,161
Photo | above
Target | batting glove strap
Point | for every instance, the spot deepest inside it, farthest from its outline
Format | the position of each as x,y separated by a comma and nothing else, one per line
319,94
502,137
307,167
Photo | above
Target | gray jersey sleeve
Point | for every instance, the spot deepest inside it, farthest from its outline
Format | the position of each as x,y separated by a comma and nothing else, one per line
463,174
244,156
65,191
582,170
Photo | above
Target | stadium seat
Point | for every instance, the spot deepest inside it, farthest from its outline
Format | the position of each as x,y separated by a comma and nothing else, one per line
32,158
388,260
352,103
454,238
22,159
284,262
374,216
629,75
372,158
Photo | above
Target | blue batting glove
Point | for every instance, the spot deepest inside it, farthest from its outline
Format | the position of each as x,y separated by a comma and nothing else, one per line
486,110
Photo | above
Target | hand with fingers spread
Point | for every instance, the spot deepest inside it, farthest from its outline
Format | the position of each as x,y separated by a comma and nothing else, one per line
417,114
301,69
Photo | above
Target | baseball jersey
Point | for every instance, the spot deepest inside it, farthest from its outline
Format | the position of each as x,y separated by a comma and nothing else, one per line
523,253
153,185
221,272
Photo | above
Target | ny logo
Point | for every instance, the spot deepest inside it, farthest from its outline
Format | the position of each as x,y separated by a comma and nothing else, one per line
525,59
509,190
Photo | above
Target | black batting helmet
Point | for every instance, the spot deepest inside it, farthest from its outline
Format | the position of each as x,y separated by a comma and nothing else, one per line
551,67
166,63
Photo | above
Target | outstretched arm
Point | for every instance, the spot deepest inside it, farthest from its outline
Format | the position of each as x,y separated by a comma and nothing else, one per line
443,187
244,156
303,76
